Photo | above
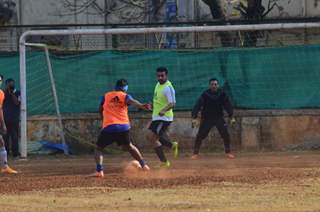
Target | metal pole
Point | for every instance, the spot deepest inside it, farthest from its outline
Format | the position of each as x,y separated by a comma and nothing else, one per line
23,114
253,27
56,101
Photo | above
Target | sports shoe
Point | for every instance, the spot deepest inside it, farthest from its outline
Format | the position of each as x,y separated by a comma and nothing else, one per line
99,174
195,157
230,156
8,170
166,164
175,149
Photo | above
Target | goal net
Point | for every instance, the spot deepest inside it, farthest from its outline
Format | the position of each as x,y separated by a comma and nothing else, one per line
273,66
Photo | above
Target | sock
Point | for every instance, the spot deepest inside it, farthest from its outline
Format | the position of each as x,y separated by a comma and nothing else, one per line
3,157
99,168
160,154
142,163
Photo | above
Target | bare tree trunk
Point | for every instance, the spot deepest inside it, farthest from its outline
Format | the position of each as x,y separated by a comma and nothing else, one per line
254,11
217,13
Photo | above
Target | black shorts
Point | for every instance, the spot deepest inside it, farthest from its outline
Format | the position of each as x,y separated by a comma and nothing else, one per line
107,138
159,127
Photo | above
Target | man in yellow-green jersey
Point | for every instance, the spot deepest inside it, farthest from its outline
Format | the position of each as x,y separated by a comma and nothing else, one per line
164,101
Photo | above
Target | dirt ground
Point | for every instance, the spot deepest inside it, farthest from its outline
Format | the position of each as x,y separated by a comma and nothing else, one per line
251,182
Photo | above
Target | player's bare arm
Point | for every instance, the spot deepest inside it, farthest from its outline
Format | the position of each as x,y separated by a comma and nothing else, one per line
139,105
167,108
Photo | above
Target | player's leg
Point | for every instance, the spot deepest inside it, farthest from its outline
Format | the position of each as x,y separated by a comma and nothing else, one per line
15,139
6,138
98,157
123,139
153,136
4,159
223,131
135,153
204,129
104,139
157,147
3,154
165,140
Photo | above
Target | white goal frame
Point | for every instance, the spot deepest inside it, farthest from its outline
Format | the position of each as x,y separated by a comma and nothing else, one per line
119,31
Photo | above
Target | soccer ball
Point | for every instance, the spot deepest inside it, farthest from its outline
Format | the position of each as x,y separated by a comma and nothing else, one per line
135,164
132,167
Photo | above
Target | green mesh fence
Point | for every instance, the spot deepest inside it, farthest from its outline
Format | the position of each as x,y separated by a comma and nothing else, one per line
266,78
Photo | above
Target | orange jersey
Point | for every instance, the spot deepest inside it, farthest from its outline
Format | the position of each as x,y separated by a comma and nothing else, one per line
2,96
115,109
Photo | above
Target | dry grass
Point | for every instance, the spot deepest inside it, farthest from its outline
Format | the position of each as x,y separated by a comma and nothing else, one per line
250,183
275,196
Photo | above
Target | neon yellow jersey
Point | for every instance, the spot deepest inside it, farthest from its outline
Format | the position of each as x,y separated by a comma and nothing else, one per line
160,100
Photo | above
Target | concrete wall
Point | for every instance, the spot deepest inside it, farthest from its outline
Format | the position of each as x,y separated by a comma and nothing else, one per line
254,130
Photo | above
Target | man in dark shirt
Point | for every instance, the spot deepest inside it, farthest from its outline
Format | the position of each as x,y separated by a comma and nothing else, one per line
212,103
11,110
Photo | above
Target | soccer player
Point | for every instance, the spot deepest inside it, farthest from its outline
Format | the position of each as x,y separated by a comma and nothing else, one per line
212,102
162,115
116,126
3,153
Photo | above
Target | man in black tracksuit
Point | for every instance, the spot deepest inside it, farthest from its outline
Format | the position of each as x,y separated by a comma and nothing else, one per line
11,112
211,103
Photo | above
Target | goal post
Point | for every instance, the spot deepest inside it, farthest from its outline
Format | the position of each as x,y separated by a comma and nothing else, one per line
123,31
54,91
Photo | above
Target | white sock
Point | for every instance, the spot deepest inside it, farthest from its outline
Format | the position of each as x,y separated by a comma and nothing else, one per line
3,157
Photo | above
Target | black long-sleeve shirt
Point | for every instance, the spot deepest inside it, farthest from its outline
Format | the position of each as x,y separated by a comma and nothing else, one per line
212,105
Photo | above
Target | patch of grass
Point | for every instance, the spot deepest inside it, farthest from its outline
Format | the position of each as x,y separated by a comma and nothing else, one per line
276,196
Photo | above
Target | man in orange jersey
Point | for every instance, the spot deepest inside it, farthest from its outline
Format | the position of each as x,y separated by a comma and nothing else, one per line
3,130
116,125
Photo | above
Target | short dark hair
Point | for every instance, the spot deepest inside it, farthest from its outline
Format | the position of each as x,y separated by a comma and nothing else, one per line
162,69
121,83
1,77
9,80
213,79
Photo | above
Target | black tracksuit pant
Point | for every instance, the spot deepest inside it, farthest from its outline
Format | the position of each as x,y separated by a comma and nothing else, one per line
206,125
12,137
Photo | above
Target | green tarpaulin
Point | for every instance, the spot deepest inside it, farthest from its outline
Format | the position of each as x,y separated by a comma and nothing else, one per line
261,78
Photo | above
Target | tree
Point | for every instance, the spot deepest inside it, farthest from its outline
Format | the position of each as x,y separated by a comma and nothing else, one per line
215,8
136,11
255,12
217,13
125,10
